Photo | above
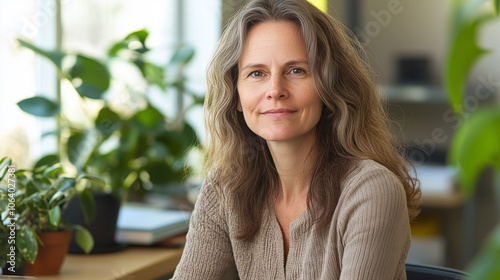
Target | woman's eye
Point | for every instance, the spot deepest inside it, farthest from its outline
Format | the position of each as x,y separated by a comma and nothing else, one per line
256,74
297,71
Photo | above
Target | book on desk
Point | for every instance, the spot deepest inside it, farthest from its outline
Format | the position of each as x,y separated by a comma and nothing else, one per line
141,224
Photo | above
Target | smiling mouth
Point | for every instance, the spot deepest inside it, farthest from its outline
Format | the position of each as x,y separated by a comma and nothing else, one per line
278,113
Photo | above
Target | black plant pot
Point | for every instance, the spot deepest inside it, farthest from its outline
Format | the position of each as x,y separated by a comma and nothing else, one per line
102,228
19,271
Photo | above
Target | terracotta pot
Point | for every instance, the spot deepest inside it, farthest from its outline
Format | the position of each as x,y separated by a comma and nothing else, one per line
51,256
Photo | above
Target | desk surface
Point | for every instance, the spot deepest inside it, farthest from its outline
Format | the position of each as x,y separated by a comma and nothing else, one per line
131,263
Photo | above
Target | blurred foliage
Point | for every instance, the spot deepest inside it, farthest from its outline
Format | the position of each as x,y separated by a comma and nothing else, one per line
134,146
476,144
34,201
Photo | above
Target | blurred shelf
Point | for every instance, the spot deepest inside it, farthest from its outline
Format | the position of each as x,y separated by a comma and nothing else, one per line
451,200
413,93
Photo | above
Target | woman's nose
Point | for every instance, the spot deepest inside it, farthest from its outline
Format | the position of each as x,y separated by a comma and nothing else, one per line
277,88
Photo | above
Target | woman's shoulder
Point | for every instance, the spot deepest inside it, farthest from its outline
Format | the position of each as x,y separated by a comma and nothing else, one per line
209,196
370,176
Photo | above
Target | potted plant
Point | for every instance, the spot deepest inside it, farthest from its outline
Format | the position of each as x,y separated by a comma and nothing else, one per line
128,141
32,202
476,144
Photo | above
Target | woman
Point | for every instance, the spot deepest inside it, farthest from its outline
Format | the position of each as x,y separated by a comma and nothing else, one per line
303,180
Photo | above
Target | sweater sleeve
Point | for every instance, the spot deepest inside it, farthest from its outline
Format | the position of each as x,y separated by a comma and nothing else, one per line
375,227
208,253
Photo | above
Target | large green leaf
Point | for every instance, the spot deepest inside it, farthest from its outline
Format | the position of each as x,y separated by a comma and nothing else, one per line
179,141
463,52
55,57
462,55
27,244
47,160
149,120
107,121
39,106
84,239
486,265
476,145
81,145
159,173
90,77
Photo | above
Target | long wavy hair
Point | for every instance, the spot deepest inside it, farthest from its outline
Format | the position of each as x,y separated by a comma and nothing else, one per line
353,124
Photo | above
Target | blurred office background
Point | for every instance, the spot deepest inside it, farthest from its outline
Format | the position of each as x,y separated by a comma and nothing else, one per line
405,42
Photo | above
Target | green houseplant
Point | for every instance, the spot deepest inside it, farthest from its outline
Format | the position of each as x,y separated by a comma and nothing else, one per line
133,145
476,144
124,137
32,202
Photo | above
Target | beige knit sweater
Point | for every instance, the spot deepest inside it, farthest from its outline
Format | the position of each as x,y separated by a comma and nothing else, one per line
369,237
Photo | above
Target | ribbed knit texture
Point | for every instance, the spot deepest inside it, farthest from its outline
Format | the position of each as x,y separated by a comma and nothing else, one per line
369,237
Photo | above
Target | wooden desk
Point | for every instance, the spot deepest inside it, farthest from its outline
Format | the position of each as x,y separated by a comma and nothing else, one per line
131,263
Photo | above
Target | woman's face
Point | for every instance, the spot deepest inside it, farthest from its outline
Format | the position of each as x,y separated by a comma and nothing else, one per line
276,90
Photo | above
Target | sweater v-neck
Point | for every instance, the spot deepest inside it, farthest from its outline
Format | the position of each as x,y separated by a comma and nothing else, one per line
295,229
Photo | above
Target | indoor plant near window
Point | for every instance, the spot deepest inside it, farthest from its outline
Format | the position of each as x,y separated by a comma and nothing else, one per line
476,144
32,203
125,138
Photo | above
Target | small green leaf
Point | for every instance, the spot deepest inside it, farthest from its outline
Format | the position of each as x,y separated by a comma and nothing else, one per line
182,55
88,205
4,166
476,145
135,41
53,171
84,239
26,242
55,216
39,106
47,161
55,56
155,75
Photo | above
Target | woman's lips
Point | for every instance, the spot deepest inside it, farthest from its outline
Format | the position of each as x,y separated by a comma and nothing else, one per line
278,113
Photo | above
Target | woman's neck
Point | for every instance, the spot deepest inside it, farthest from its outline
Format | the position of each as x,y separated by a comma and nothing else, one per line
294,161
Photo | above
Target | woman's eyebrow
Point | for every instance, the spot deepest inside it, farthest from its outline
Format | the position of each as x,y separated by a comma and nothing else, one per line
260,65
257,65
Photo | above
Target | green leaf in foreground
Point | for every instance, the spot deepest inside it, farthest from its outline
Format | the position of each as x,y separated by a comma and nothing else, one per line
39,106
55,216
84,239
27,244
476,145
485,266
464,52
